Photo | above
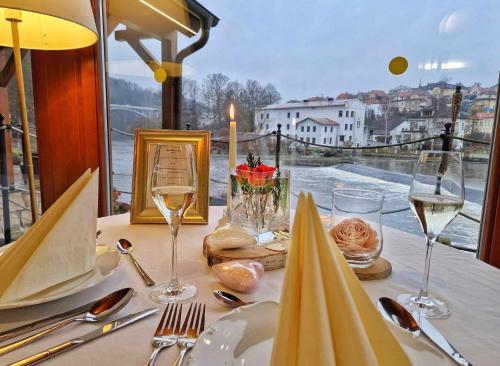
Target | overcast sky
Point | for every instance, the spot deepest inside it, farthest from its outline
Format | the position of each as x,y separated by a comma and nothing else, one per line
324,47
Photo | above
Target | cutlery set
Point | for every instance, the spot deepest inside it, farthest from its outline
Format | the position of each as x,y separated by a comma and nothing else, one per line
169,331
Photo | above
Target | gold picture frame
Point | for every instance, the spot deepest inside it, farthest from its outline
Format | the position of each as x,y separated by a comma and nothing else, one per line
143,210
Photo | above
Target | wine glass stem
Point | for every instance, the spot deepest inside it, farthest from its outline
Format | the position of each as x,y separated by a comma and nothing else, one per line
174,229
425,280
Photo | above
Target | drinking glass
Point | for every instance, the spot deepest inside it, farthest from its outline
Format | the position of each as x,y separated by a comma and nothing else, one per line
436,196
356,225
173,187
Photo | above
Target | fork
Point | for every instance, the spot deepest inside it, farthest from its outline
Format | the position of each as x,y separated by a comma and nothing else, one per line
189,334
167,332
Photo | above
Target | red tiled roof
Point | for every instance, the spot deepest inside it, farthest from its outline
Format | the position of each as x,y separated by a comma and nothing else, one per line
321,121
344,95
483,115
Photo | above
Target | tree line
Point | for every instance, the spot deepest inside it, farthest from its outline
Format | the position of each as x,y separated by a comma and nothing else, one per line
207,105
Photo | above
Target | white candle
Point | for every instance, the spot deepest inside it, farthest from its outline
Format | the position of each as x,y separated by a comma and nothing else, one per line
232,153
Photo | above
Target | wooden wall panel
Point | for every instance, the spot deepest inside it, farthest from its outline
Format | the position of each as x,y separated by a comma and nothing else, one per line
66,90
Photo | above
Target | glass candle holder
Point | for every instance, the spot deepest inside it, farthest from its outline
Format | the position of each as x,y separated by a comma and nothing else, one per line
260,202
356,225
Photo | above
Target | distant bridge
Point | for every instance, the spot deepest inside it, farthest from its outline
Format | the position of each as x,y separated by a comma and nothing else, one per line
146,112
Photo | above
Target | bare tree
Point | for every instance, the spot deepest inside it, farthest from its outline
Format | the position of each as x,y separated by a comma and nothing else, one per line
191,110
213,93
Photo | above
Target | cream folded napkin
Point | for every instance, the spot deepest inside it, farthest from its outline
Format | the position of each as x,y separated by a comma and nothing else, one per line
58,247
326,317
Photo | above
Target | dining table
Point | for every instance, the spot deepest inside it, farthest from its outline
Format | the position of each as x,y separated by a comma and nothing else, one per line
469,286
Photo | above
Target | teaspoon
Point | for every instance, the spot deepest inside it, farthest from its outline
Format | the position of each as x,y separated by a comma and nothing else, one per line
101,309
125,247
396,313
230,299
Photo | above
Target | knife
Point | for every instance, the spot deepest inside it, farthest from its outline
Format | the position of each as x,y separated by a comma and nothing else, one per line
75,342
431,332
11,333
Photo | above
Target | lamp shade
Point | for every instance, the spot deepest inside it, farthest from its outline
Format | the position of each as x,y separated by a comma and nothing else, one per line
49,24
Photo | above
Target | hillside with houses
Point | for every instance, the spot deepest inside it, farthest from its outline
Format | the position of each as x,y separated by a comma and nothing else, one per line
377,117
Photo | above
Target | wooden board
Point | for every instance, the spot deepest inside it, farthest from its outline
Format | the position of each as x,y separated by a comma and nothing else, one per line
270,259
380,269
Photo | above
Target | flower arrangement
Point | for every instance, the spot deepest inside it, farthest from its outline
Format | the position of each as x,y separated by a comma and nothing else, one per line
259,195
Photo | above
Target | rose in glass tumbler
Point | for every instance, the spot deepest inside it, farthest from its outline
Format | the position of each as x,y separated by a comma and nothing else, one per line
356,225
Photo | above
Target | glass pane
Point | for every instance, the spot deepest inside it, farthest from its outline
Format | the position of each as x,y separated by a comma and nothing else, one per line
361,75
15,212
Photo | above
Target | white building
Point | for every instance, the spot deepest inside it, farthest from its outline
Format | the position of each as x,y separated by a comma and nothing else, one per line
349,114
317,130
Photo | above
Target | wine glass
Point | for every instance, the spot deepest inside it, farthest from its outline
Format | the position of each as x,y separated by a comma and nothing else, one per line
173,187
436,196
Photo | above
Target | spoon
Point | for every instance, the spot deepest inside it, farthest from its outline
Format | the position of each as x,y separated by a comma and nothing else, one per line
396,313
125,247
101,309
230,299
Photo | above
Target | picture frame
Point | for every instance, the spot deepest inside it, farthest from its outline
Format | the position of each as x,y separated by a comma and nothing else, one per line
143,209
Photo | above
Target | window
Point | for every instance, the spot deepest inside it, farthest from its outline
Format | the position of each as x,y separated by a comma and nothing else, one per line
314,128
350,127
288,126
307,139
288,115
331,129
324,141
267,115
346,114
330,140
297,115
314,140
346,126
267,126
358,123
326,128
350,138
262,116
301,139
352,113
341,137
301,128
340,113
308,128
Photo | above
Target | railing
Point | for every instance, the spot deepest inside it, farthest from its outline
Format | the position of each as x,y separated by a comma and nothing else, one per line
278,134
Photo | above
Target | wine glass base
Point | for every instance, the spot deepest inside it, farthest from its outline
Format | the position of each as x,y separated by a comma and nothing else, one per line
428,307
167,293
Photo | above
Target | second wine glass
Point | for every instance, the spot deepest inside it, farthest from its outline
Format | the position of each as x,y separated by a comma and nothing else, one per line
174,187
436,196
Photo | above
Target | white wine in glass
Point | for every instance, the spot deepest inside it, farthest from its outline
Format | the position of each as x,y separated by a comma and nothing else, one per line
173,187
436,196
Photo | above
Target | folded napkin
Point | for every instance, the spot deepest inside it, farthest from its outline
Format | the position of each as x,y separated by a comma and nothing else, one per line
326,317
58,247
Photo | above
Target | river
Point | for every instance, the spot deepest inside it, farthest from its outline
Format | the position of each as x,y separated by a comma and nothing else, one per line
390,176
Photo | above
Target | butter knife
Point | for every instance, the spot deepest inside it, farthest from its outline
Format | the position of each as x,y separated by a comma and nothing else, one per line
75,342
26,328
439,340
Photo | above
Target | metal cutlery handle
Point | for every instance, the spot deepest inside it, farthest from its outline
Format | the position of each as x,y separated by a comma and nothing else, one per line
143,273
44,355
17,344
152,358
180,357
439,340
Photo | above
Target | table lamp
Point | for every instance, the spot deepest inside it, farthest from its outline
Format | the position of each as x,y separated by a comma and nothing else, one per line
42,25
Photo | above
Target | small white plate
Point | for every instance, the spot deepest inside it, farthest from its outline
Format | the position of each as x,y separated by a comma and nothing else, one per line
244,336
106,263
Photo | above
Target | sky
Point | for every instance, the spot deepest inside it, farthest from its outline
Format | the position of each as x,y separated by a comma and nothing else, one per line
325,47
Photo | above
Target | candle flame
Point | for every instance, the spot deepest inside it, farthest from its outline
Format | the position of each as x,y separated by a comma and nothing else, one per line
231,112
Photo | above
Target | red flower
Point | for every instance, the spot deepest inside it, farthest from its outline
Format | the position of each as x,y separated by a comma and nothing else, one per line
242,172
261,174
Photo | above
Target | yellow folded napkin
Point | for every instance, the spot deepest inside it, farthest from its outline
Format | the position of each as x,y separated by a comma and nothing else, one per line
326,317
58,247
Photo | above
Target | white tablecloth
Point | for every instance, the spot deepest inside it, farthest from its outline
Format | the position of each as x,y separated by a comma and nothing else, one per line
470,286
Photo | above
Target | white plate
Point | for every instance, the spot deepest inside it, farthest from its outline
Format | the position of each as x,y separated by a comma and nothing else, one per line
106,262
245,337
